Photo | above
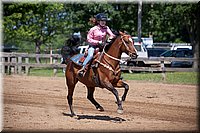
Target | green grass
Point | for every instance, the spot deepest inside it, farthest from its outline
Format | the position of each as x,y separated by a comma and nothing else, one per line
45,72
171,77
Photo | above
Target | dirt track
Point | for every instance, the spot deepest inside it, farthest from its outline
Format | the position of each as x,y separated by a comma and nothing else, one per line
39,103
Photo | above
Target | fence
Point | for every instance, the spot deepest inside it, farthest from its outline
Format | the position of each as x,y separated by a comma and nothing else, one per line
13,63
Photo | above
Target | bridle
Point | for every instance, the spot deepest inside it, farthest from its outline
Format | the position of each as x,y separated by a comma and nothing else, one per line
123,42
114,58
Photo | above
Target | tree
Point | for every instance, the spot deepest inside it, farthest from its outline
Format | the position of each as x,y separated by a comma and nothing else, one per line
44,24
37,23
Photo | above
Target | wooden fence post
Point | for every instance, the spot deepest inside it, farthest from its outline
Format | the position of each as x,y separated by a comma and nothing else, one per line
162,66
19,65
55,70
14,67
8,68
2,69
27,67
51,52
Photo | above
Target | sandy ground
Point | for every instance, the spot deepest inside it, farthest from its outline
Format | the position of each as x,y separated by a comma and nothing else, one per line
39,104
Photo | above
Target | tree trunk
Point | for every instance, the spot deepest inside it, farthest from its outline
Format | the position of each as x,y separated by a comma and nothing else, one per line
196,52
195,41
139,20
193,30
38,43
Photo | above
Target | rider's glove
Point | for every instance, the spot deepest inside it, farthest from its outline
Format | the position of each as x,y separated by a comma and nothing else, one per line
100,43
109,39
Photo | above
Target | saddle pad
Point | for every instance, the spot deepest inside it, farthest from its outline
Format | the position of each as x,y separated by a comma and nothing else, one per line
77,59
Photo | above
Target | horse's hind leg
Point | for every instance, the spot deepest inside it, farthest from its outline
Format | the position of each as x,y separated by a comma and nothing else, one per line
90,96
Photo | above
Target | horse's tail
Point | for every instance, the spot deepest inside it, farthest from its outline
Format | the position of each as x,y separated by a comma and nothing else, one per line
67,52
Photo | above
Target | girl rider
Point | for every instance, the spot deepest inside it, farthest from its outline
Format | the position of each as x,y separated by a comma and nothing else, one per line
95,37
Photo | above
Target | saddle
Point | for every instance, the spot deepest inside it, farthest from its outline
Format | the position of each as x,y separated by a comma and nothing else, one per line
92,65
82,59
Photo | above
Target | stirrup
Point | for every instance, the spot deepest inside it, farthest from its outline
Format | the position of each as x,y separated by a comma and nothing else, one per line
81,72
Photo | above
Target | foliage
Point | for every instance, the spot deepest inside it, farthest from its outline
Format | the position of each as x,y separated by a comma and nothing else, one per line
35,23
43,25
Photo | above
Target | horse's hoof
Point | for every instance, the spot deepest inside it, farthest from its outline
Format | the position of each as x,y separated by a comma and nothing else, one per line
100,109
120,111
73,114
75,117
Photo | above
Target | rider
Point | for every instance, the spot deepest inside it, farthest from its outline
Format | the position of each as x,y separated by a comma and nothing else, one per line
96,38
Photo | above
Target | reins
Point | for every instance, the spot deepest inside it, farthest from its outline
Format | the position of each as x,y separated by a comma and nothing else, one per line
111,56
114,57
119,60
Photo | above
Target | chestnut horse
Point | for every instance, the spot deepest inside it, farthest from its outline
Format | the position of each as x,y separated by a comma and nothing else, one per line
107,73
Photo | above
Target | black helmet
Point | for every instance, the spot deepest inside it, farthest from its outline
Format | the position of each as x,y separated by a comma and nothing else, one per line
101,16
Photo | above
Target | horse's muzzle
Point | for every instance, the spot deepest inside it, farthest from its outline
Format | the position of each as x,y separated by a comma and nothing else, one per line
133,55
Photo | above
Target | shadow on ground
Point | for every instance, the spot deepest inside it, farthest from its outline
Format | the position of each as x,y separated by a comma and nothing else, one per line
97,117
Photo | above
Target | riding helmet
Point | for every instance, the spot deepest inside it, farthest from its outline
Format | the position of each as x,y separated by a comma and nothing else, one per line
102,17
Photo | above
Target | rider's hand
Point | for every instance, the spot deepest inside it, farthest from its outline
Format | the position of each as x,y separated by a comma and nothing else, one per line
100,43
109,40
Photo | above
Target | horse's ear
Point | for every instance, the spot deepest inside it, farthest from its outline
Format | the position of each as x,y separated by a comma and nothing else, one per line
121,33
115,32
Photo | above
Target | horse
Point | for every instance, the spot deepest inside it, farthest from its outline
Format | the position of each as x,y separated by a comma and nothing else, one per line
107,73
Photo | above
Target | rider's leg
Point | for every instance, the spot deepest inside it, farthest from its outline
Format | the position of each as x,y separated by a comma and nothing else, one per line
88,58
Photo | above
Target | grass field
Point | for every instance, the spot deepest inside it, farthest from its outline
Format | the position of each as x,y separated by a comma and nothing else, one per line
171,77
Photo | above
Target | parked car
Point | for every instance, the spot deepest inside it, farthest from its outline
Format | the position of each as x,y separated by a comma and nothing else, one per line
179,53
155,52
148,42
176,47
6,48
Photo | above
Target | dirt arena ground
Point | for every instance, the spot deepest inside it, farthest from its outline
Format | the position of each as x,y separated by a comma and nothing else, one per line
39,104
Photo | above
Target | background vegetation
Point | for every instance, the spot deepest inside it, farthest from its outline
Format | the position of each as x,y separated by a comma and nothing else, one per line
37,27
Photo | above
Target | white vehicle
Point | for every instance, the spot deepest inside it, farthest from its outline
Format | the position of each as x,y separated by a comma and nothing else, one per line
148,42
181,46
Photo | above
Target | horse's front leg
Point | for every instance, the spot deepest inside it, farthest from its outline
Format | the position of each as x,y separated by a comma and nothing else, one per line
90,96
111,88
121,83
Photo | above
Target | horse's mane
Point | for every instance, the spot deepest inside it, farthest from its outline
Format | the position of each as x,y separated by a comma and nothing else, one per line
112,41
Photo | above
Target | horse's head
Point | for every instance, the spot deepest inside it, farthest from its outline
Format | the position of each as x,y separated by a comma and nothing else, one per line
128,45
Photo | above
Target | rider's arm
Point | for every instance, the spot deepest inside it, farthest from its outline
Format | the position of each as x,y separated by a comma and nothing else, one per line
90,37
111,35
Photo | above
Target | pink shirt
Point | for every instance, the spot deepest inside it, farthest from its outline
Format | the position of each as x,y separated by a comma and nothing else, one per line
97,34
